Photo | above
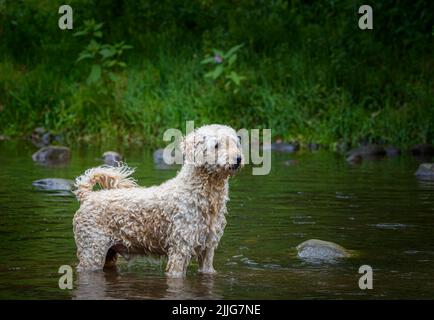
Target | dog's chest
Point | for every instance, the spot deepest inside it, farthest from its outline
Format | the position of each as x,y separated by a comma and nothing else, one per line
211,220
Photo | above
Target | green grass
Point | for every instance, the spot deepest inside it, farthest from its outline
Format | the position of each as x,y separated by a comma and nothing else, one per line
325,81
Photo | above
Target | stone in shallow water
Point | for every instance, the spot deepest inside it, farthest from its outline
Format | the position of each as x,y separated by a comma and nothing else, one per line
158,156
285,147
52,155
423,149
369,152
112,158
425,170
392,151
53,184
321,251
159,162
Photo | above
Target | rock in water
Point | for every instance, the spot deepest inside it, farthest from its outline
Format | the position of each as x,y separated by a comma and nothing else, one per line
392,151
112,158
53,184
318,251
313,146
158,156
52,155
425,170
423,149
371,151
285,147
159,162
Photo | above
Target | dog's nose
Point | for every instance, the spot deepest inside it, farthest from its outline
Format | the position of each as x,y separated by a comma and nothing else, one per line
238,160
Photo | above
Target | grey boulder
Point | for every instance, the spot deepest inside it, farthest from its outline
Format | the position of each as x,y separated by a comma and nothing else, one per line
425,170
112,158
284,147
315,250
423,149
52,155
371,151
53,184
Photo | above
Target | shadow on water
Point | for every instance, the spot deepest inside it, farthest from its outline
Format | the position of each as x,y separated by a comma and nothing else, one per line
377,208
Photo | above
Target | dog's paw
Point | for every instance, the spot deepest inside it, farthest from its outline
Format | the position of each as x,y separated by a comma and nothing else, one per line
207,271
173,274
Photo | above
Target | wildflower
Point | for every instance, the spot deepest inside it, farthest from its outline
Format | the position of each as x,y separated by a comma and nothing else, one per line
218,59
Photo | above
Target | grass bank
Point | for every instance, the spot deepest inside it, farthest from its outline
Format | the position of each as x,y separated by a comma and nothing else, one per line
309,74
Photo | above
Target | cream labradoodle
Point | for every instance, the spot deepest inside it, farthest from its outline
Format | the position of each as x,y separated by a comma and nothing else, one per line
181,219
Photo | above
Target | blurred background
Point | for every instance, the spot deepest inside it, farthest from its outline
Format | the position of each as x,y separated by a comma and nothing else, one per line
131,69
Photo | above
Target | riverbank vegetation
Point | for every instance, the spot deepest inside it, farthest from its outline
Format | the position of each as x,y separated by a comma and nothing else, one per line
303,69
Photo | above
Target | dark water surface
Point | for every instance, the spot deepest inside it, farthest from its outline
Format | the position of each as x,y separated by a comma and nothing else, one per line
378,208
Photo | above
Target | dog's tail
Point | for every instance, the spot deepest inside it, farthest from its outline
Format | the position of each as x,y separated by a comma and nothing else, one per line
106,177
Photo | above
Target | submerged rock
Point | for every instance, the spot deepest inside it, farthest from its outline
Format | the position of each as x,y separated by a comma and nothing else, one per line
371,151
159,160
158,156
425,170
392,151
319,250
52,155
112,158
354,159
285,147
53,184
313,146
423,149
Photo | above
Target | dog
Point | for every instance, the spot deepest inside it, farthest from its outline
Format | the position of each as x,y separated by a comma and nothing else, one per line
183,218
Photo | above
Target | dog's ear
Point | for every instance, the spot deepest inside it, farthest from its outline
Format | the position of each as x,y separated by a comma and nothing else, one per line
192,147
182,146
187,147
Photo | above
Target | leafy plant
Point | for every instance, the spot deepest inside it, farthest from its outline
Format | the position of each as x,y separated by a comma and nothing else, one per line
106,58
224,64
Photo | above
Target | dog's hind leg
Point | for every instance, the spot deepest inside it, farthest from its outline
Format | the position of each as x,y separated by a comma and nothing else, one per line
93,250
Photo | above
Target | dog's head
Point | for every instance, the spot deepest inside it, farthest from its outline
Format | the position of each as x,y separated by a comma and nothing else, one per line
215,148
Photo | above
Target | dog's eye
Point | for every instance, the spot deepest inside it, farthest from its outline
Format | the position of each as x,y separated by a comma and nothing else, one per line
239,138
216,145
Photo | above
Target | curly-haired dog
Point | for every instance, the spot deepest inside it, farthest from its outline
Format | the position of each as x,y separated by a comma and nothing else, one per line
181,219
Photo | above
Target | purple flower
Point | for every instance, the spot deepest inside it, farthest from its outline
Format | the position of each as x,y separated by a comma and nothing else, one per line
218,59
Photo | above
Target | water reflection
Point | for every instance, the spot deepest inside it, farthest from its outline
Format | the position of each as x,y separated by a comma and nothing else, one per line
112,284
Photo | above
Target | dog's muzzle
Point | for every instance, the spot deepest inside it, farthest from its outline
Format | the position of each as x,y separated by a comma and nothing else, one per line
237,165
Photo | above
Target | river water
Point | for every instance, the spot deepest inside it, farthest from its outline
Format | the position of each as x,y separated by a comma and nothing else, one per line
377,208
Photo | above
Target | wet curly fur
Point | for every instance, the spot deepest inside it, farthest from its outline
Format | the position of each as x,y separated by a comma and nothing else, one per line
183,218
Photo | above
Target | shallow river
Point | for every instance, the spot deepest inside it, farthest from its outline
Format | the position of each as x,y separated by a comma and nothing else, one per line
378,208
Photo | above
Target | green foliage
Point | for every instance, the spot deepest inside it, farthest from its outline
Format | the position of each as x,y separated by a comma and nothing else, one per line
224,64
105,58
305,70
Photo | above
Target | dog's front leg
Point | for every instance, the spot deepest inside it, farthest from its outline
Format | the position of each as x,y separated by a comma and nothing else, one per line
205,259
177,265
